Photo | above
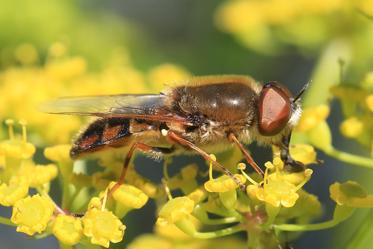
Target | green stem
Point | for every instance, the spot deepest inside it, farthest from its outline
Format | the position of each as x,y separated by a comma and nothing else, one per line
6,221
364,231
219,233
314,227
349,158
188,227
220,221
307,227
73,197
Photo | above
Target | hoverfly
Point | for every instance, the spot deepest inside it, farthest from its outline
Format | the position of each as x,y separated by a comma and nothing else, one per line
228,110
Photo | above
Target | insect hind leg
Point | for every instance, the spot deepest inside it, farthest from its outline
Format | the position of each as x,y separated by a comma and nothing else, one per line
147,149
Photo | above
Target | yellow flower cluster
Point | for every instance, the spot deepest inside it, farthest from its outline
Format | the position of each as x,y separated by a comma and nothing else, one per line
18,171
357,105
267,25
279,187
28,86
39,214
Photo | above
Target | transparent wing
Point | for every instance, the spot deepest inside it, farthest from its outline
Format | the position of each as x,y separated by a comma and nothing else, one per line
142,106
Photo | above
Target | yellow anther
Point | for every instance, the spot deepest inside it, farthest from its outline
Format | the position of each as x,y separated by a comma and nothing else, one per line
269,165
213,157
10,123
241,166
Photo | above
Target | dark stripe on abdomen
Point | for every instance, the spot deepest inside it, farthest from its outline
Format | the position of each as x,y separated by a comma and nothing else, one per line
101,133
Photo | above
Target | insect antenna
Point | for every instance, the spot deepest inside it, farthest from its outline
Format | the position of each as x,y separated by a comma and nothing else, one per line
299,95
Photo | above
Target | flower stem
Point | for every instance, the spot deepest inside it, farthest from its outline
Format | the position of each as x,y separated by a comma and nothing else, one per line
318,226
349,158
219,233
357,241
188,227
220,221
6,221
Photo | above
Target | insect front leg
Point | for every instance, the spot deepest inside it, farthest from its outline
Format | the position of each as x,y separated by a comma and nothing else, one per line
176,138
247,155
290,164
143,148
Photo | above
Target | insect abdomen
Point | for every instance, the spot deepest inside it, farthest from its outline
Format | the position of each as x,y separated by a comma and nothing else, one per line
104,132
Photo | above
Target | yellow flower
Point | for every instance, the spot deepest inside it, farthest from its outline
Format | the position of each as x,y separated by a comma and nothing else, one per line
233,17
12,192
350,194
164,74
129,196
223,183
175,209
37,175
351,127
15,147
369,102
67,68
61,155
32,214
303,153
311,117
58,153
279,187
276,192
198,195
95,202
68,229
102,227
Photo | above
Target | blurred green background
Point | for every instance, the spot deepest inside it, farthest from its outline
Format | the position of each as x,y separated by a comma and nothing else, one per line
205,37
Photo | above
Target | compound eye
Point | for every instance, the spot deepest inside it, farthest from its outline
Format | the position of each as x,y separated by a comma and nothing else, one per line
274,109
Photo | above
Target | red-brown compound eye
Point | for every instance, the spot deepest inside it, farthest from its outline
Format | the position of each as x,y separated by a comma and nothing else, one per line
274,109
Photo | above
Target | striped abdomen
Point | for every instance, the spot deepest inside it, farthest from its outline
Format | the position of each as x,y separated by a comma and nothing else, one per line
104,132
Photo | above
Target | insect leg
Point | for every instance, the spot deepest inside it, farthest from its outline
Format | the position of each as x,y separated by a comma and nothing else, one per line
136,146
182,141
290,163
247,155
